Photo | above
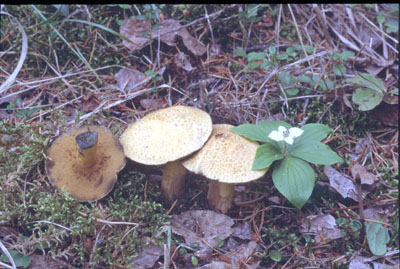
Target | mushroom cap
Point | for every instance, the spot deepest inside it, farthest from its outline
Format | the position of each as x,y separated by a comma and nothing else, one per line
226,157
166,135
85,183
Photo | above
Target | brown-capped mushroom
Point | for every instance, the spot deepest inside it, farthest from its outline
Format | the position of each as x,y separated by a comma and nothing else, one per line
164,137
225,159
85,162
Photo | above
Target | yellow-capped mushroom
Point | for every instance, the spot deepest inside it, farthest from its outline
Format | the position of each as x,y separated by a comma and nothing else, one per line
225,159
85,162
164,137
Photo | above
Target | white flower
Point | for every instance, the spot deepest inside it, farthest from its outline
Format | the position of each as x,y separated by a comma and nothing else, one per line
285,134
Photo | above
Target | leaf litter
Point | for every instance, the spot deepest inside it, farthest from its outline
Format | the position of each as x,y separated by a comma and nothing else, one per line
209,229
323,227
141,34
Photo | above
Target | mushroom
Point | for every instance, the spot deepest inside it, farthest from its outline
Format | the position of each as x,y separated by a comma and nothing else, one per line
164,137
226,159
85,162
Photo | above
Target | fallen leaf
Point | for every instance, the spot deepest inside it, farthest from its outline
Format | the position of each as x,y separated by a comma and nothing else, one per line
322,226
358,263
182,61
387,114
135,31
243,231
147,257
151,104
166,30
359,171
342,184
202,226
377,212
217,265
128,80
89,103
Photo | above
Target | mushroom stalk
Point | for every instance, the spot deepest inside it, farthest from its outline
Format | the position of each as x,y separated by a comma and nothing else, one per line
86,148
220,196
173,180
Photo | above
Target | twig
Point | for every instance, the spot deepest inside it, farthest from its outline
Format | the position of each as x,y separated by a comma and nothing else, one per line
10,258
55,224
24,51
110,222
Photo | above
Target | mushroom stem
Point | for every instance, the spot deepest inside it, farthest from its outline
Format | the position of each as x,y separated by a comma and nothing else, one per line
86,148
220,196
173,180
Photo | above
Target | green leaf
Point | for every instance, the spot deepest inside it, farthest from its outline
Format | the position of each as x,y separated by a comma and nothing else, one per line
314,152
340,70
368,81
272,50
292,52
253,65
240,53
256,56
378,237
275,255
260,131
285,77
282,56
380,18
18,258
294,179
292,91
267,65
346,54
304,79
266,154
366,98
195,261
355,225
392,26
314,132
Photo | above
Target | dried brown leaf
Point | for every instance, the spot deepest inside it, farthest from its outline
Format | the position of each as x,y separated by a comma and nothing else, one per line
167,30
128,80
387,114
182,60
322,226
147,257
359,171
135,31
342,184
202,226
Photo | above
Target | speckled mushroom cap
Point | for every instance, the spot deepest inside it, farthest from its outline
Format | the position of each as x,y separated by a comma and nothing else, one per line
89,183
166,135
226,157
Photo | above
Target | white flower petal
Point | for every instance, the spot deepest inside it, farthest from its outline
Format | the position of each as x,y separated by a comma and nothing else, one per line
275,135
289,140
295,132
281,129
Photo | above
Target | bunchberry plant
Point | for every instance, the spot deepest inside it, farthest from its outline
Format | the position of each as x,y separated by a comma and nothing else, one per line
289,150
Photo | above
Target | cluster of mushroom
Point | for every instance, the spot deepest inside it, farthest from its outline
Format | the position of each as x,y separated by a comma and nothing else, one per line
177,137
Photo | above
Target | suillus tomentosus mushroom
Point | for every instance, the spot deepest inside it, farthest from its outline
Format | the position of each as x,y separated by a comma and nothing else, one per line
225,159
164,137
85,162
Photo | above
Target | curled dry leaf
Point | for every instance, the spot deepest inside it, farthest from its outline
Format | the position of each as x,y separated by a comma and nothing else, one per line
167,30
236,258
210,223
322,226
359,171
129,79
135,31
147,257
342,184
182,60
